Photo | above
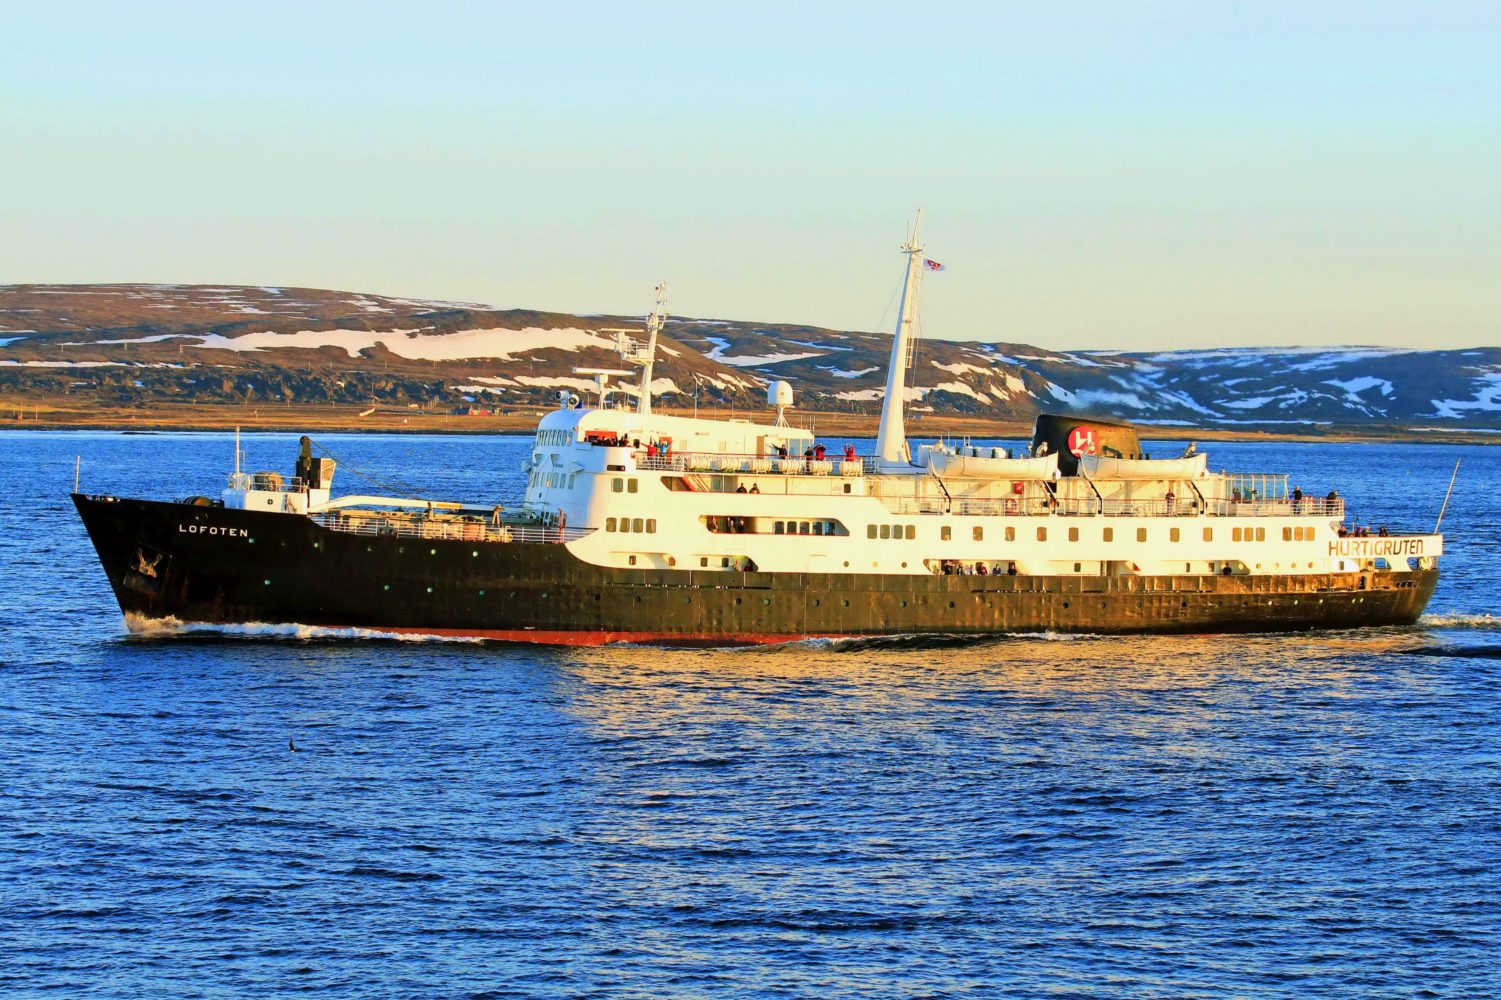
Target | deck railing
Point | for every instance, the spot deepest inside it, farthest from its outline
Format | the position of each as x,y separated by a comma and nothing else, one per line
453,529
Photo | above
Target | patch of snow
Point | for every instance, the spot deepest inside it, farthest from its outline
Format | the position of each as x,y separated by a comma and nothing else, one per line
960,367
958,388
861,395
1355,386
1487,397
842,373
753,360
498,344
89,364
821,347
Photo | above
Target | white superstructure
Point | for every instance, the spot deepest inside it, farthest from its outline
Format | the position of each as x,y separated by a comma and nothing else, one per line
656,491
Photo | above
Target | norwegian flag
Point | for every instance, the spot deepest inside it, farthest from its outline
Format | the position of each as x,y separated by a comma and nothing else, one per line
932,265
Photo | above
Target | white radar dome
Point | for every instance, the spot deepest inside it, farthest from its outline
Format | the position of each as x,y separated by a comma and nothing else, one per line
779,393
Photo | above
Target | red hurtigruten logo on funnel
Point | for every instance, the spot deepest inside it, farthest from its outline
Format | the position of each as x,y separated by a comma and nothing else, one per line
1083,441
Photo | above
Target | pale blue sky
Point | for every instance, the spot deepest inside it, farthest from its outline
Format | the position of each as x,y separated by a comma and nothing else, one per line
1096,175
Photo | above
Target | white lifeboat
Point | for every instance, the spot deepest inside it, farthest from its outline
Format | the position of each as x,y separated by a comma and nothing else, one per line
943,462
1106,467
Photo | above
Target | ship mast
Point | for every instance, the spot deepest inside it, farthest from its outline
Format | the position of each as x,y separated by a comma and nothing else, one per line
645,355
891,442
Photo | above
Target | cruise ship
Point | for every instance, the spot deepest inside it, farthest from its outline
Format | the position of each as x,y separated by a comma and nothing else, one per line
637,526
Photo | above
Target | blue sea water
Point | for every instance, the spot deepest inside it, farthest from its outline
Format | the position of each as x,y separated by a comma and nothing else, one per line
1282,816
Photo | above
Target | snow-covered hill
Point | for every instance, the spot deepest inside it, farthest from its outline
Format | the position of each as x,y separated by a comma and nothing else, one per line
134,342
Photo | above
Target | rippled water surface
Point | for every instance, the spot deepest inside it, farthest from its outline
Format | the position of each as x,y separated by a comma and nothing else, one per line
1104,817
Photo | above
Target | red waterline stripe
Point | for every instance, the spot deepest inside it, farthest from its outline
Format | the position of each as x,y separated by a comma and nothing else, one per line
551,637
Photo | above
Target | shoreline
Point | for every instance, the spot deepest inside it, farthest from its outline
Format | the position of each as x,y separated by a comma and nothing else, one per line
208,418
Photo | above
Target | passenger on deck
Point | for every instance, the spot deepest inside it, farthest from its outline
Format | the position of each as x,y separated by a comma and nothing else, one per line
982,570
741,489
755,488
818,452
651,450
1383,533
1011,569
1171,499
1297,499
781,451
849,453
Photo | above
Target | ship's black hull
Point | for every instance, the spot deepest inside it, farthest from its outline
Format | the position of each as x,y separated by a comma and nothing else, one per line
215,565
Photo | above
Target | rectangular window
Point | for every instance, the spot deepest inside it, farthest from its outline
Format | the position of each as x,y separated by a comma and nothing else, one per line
1287,534
651,526
946,533
633,485
638,525
1109,534
1261,534
885,531
777,527
817,527
617,485
802,527
1073,534
911,532
870,531
979,533
609,524
1010,534
1234,534
703,561
1141,534
1172,534
1208,534
1078,567
1042,534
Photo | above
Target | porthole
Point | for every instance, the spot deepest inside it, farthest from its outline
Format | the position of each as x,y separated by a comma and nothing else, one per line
766,601
817,603
737,600
845,603
388,587
951,604
1065,605
513,593
475,553
482,593
429,590
904,604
